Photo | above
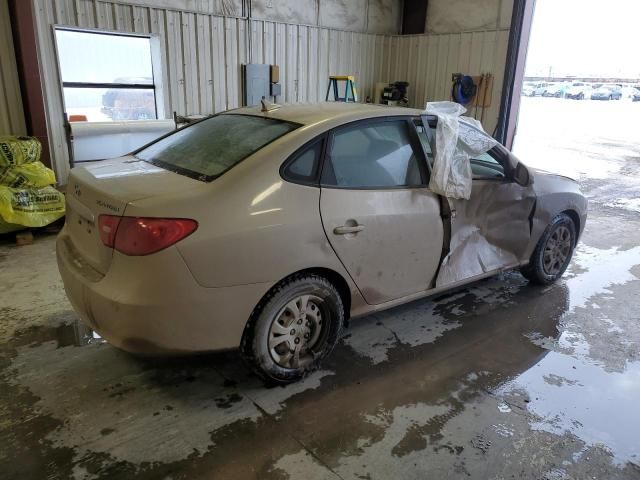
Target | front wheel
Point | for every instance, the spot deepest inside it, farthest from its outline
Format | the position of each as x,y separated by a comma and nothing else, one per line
293,328
553,252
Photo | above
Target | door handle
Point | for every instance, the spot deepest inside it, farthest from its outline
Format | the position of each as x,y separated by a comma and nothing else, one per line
346,230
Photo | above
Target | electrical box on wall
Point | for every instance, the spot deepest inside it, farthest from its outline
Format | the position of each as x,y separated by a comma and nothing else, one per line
261,81
256,83
275,74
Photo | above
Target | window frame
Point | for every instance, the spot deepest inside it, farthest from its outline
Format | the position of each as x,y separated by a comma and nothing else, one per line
414,141
430,139
156,70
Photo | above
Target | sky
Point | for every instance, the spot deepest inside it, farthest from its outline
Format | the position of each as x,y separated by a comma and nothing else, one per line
585,38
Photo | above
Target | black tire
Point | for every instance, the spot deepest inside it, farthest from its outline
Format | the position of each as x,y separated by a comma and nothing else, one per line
581,97
268,320
536,271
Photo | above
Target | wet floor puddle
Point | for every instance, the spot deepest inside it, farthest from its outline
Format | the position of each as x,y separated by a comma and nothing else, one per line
589,382
417,379
576,396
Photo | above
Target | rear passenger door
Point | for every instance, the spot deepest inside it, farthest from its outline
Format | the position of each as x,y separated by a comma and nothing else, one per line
378,214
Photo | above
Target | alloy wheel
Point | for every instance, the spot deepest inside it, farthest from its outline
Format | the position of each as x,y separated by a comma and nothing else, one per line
557,251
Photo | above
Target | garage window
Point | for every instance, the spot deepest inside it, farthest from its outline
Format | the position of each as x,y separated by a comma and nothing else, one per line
106,77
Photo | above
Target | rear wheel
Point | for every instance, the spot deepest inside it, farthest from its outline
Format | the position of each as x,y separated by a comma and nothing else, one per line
553,252
293,328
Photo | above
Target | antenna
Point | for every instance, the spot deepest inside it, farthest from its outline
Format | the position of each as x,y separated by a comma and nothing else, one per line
267,106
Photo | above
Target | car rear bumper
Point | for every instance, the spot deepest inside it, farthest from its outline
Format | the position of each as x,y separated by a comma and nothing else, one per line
152,305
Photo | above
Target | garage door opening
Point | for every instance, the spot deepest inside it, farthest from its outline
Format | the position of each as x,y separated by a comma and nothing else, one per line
580,102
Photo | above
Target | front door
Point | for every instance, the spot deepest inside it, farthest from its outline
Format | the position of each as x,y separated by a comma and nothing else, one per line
379,216
490,231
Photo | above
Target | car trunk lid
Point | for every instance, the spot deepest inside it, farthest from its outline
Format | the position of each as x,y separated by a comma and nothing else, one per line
106,188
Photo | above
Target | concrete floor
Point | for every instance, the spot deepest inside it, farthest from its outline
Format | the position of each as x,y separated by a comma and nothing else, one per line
500,380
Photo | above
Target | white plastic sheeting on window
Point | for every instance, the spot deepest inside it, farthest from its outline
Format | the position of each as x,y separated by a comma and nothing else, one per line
451,173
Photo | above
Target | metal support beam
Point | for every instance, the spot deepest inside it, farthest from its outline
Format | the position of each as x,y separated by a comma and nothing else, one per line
520,32
24,37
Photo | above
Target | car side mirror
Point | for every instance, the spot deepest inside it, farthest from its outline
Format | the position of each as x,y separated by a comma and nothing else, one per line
522,176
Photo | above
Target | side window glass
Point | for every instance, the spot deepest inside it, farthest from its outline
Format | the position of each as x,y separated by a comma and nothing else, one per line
375,155
304,167
485,166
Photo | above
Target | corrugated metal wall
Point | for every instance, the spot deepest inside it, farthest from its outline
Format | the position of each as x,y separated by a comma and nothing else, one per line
428,61
203,54
11,113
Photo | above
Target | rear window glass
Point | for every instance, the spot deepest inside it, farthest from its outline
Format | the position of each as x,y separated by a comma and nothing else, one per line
208,148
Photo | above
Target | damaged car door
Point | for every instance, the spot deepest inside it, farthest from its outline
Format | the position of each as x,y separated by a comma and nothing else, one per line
378,214
492,230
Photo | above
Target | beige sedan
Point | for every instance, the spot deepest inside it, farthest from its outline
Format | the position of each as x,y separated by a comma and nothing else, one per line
268,230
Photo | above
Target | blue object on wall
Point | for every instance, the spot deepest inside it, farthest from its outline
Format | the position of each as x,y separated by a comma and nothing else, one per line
464,89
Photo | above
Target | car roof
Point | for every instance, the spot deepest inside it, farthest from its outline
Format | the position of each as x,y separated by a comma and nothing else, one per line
332,112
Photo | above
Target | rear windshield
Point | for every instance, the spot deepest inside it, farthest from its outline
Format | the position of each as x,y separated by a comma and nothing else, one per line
209,148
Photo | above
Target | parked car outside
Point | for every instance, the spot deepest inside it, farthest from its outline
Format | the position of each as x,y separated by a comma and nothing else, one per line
268,230
627,91
579,91
527,89
557,91
636,95
607,93
535,89
540,89
130,104
616,91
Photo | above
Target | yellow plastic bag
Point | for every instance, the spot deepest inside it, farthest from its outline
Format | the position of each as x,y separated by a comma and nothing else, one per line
29,207
9,227
19,150
28,175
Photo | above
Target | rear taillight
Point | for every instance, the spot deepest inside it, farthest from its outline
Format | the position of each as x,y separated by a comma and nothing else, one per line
108,225
137,236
